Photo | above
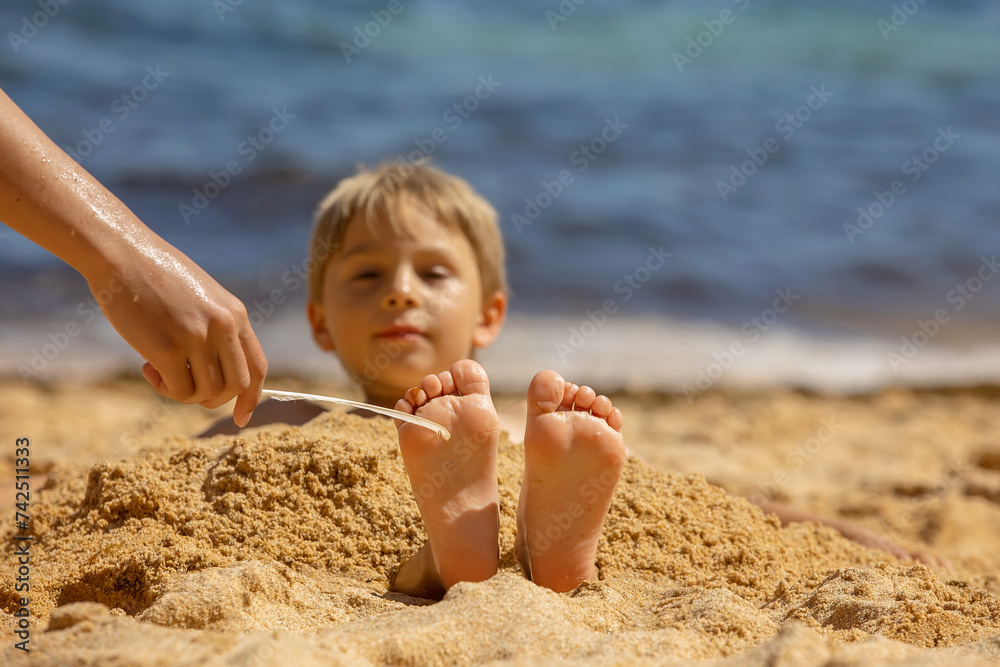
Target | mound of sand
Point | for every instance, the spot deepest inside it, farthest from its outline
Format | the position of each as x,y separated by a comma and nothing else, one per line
278,547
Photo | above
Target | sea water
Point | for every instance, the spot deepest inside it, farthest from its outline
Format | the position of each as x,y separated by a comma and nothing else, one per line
834,161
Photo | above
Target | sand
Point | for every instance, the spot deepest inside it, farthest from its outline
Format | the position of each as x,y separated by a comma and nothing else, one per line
278,546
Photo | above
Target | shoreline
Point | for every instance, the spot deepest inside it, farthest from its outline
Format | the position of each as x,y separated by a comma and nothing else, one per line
626,353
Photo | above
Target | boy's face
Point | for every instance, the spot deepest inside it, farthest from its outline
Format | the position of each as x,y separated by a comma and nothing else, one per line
397,306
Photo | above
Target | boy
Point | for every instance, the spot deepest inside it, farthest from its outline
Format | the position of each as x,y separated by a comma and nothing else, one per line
416,284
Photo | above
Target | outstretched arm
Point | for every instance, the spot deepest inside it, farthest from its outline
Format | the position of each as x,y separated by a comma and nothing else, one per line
194,335
852,531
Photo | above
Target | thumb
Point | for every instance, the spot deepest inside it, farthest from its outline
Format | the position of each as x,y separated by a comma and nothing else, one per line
153,377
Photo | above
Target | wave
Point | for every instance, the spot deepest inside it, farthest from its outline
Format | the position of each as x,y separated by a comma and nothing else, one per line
623,354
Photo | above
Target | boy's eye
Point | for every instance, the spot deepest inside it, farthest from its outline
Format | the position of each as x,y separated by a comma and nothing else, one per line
366,275
436,274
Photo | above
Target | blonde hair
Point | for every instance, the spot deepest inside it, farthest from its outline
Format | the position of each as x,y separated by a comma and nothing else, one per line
383,194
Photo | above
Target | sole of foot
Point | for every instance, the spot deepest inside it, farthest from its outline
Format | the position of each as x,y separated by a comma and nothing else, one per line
454,481
573,457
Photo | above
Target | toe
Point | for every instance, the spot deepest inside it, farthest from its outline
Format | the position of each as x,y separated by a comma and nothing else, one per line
615,419
431,386
470,378
545,392
601,407
416,397
585,398
447,383
569,395
403,406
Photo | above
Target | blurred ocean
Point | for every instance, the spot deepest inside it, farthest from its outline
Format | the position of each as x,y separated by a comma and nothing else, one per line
741,137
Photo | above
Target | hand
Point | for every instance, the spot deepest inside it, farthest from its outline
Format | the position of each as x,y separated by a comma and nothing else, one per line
195,336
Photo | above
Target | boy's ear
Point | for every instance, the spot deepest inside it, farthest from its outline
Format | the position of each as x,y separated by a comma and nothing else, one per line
317,322
494,314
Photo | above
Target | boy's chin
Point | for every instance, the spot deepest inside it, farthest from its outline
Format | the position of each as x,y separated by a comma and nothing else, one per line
395,379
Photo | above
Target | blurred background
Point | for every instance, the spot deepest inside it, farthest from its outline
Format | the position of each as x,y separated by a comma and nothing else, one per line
741,136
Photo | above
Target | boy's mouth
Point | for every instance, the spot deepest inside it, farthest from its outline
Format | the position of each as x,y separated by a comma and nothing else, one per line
400,333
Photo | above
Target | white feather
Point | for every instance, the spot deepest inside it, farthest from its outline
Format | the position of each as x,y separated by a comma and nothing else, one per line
388,412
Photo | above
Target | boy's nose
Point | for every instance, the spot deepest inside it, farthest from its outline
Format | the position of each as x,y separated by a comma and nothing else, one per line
397,299
401,293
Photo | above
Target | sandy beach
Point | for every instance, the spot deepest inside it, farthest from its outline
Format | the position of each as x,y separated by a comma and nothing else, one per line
278,546
766,230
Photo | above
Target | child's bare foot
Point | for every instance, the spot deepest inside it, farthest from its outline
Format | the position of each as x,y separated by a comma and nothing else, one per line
573,456
454,481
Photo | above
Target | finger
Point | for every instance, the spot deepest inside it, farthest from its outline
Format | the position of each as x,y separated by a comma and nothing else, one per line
224,393
256,363
170,379
152,376
235,374
207,374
